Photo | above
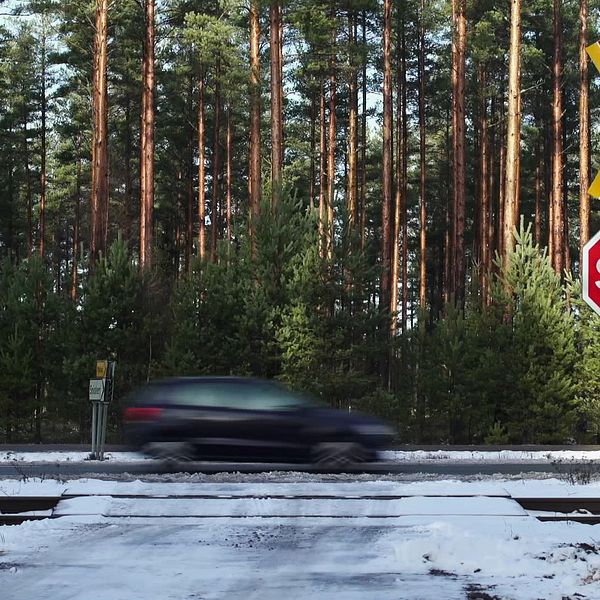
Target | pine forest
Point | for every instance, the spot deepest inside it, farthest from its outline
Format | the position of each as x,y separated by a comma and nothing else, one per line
381,203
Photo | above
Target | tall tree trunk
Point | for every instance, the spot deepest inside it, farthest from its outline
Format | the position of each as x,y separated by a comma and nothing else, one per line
29,191
387,183
449,229
76,226
201,170
322,172
190,180
43,149
484,190
229,169
313,144
276,101
422,164
499,229
147,141
331,141
129,208
538,195
399,200
558,216
584,131
353,128
331,166
404,119
363,137
99,191
216,177
513,135
254,174
459,143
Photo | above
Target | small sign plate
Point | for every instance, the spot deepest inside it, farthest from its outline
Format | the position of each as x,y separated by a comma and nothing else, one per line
97,390
101,368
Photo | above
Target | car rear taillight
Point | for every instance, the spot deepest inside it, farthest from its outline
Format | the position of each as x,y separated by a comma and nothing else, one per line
141,413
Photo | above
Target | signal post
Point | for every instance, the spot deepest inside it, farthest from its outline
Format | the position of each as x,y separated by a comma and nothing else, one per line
101,392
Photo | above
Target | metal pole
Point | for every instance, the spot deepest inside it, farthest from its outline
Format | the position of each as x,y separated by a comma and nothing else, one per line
103,432
94,427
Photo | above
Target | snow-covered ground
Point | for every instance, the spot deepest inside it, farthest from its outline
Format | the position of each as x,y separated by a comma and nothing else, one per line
298,539
54,457
499,456
415,456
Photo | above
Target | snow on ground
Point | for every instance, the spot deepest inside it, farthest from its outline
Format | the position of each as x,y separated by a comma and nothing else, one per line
413,456
442,539
492,456
54,457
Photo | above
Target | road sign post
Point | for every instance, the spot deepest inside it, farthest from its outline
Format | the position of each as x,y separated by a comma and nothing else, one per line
100,394
591,273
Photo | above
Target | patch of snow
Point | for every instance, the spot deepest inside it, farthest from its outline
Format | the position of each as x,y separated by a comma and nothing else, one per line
440,540
500,456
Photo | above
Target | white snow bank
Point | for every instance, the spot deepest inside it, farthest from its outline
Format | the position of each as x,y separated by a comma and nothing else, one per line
9,456
416,456
500,456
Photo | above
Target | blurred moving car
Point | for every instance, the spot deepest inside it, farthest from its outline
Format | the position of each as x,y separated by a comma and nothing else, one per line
235,418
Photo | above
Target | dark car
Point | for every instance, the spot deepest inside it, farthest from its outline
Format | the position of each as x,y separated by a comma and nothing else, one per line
234,418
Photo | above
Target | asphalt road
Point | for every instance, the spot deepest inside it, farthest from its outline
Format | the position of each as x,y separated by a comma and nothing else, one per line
66,469
19,470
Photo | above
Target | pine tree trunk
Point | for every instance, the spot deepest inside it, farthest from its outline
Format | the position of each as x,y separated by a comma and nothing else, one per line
399,200
449,229
201,170
422,164
558,241
363,137
147,137
313,143
492,181
43,149
29,192
513,135
229,169
216,176
276,101
459,143
190,180
499,229
76,227
322,171
584,131
331,167
129,208
353,129
538,195
484,192
404,216
254,174
331,143
387,182
99,191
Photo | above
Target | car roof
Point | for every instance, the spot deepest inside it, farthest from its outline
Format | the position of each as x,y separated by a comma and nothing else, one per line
210,379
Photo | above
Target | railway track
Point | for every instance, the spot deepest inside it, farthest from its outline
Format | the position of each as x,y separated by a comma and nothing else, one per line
15,510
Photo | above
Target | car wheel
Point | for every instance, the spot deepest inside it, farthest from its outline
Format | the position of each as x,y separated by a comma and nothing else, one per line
173,452
338,454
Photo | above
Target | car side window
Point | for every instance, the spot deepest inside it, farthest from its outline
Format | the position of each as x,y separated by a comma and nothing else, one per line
193,394
272,397
241,396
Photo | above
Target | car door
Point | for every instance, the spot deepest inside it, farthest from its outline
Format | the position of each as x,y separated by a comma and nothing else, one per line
277,420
